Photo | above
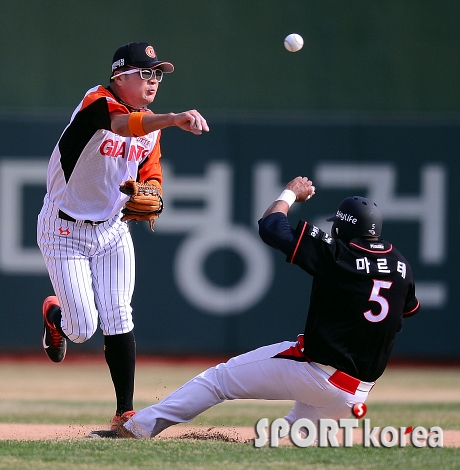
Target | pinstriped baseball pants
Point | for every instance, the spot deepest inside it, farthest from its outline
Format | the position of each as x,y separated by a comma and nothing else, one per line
92,271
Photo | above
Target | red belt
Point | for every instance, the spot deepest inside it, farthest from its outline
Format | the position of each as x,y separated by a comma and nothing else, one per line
337,378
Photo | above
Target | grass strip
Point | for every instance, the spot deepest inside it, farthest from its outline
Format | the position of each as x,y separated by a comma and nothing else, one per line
204,455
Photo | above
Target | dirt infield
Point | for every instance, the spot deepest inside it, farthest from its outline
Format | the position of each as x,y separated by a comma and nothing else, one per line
31,388
35,432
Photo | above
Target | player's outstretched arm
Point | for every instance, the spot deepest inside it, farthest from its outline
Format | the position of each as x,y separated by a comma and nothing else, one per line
300,189
137,124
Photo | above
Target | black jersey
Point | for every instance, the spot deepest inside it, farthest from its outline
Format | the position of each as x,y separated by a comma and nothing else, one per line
360,293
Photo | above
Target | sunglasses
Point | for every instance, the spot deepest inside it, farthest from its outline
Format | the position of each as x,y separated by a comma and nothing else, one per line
146,74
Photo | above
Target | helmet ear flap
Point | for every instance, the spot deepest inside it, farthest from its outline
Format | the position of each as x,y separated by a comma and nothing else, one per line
335,231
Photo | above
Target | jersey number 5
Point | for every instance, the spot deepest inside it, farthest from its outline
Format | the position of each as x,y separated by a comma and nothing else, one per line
376,297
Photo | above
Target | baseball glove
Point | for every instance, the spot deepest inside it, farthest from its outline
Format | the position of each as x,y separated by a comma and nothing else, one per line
145,201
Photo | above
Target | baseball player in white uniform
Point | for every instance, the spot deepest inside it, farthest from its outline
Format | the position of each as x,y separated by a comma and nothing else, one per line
362,289
112,136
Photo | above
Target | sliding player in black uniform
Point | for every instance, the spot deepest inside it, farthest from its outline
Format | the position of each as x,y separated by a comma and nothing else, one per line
362,288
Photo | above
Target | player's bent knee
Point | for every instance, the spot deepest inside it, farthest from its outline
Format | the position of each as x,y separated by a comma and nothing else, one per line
80,336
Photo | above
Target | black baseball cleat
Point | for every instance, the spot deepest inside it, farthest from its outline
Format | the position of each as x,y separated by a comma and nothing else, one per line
54,344
104,434
119,433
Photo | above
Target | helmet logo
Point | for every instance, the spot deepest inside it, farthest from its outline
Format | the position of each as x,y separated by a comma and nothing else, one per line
346,217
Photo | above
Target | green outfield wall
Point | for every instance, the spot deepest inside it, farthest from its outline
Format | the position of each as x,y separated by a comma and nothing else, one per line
370,105
205,281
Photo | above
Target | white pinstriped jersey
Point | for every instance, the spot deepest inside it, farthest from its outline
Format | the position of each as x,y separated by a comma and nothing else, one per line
90,161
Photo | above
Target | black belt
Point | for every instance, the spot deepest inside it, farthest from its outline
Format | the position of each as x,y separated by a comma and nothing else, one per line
64,216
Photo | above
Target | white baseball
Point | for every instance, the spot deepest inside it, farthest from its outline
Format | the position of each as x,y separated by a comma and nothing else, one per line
293,42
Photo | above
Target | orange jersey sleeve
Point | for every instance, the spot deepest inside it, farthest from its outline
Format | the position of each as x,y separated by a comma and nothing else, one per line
151,168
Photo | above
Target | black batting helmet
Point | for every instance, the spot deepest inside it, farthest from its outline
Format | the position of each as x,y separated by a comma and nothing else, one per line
356,217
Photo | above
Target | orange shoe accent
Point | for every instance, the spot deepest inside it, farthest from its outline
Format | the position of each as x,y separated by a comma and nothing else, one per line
47,304
117,420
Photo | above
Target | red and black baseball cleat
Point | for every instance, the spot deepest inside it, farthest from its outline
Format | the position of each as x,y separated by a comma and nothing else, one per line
117,430
54,344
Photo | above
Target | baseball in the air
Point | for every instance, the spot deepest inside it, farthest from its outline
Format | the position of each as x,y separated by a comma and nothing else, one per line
293,42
